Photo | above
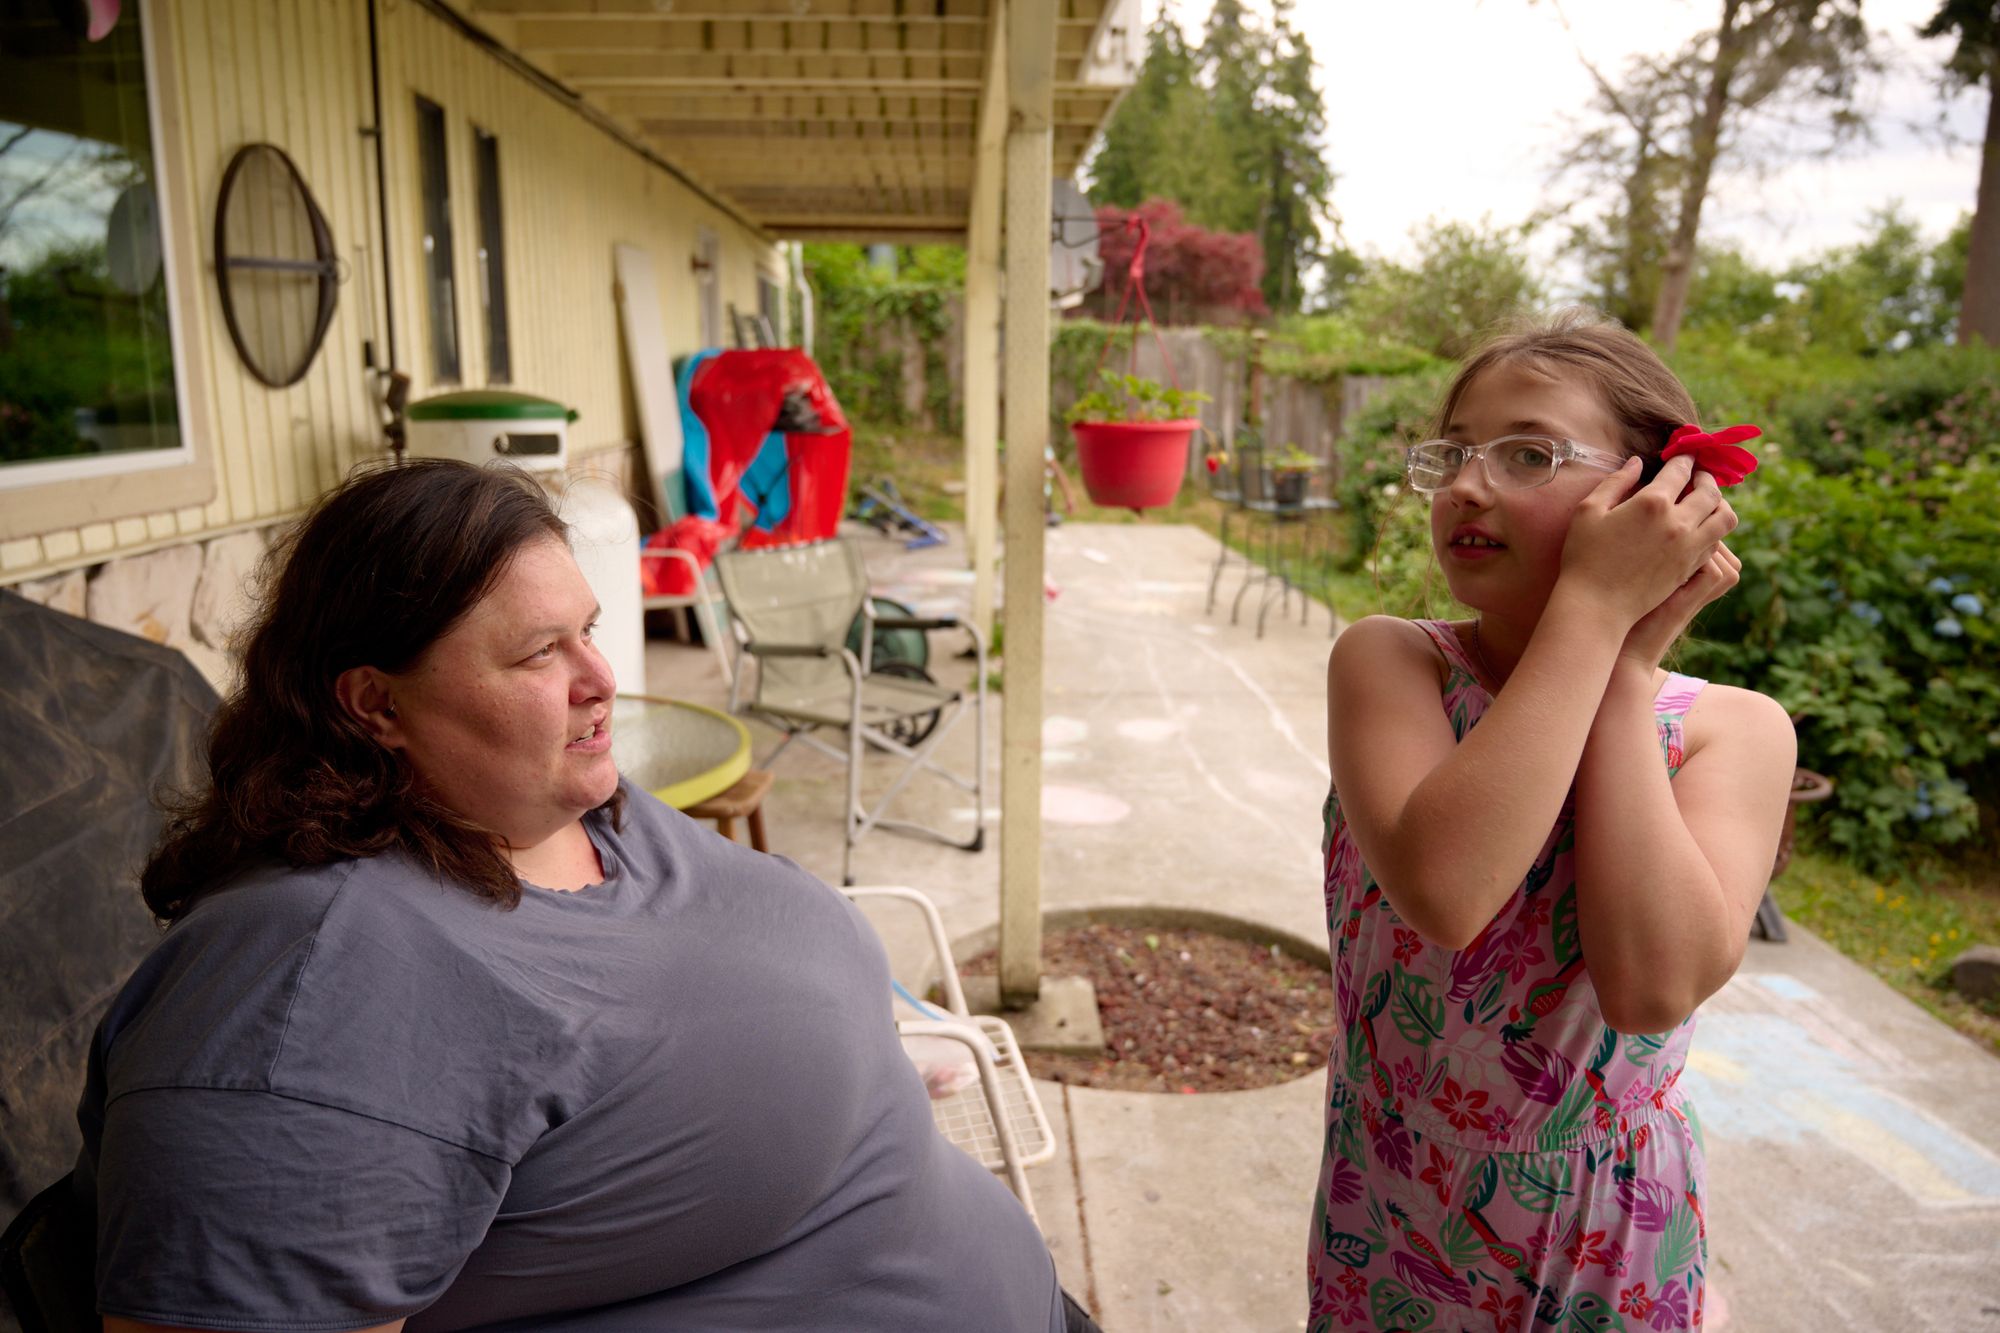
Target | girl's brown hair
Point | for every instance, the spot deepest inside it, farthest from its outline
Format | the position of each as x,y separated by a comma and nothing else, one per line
1644,397
380,569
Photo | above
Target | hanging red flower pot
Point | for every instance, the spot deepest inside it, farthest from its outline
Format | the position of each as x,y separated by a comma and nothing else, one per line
1132,433
1133,464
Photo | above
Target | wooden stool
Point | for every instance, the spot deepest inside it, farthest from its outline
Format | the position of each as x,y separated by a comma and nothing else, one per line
745,798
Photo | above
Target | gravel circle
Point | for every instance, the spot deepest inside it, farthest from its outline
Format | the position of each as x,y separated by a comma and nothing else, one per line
1187,1011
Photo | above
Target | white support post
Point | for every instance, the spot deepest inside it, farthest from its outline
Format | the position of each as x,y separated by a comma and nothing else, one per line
1030,27
982,335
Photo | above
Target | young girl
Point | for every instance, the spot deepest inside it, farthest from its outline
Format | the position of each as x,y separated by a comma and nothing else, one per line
1543,852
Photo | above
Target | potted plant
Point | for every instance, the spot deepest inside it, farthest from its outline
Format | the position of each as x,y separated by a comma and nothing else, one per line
1291,470
1132,440
1808,788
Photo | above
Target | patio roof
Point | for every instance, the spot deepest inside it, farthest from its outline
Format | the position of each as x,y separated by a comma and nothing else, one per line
818,119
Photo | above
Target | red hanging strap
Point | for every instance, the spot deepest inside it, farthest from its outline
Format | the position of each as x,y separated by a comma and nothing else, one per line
1135,282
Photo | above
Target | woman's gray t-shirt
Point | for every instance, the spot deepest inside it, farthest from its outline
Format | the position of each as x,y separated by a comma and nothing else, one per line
338,1096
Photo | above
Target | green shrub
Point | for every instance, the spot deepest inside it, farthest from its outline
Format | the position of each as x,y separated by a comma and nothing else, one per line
1322,349
1867,608
865,316
1921,408
1370,450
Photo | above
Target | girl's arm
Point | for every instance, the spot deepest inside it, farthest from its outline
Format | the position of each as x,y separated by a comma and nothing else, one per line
1669,874
1449,830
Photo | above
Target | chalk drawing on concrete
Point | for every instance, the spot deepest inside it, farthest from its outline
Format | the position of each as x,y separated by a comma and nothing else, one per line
1080,805
1149,728
1060,732
1768,1076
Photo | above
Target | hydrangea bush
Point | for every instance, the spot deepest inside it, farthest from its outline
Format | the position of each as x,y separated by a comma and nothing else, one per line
1867,609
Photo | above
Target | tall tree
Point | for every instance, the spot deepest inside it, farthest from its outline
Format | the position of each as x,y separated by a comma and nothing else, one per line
1761,56
1128,163
1976,60
1229,129
1468,278
1297,183
1631,155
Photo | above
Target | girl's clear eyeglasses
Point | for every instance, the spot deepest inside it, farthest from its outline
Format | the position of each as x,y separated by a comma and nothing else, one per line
1511,463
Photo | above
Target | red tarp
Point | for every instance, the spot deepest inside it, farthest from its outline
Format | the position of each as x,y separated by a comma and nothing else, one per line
739,396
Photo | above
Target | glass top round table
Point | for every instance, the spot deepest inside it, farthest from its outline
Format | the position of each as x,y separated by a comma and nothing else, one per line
683,753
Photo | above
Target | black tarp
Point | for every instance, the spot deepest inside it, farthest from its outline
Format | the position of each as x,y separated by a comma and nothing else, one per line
92,724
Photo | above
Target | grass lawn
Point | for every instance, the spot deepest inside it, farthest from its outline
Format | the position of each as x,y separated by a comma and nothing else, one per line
1905,932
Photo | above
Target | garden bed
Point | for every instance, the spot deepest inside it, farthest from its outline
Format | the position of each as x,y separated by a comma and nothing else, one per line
1187,1011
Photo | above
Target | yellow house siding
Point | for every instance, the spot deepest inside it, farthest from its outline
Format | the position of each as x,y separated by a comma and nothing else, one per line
569,194
295,73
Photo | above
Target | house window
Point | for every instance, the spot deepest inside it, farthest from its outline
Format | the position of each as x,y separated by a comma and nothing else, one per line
708,285
492,259
771,309
87,368
435,169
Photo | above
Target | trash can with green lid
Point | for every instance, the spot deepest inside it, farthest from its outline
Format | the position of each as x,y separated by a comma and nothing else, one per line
485,425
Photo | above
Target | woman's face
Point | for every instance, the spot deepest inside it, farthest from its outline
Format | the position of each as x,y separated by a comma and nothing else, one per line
507,718
1502,549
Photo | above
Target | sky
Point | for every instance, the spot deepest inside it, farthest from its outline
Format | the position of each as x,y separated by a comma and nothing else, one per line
1455,109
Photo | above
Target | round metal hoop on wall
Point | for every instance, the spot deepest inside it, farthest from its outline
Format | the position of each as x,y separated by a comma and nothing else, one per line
274,263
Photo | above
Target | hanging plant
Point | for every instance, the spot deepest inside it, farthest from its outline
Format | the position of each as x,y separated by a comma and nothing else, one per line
1132,433
1132,440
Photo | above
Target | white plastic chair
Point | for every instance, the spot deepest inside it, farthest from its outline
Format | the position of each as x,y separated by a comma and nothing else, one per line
998,1118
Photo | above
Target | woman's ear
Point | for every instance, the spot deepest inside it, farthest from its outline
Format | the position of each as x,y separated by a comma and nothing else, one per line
368,697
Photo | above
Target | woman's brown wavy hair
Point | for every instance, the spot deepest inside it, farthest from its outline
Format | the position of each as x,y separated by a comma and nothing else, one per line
379,570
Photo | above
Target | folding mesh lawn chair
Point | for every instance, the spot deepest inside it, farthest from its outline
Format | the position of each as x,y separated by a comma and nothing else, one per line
794,607
982,1097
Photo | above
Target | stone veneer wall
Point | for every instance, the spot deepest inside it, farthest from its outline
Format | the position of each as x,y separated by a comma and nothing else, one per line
191,597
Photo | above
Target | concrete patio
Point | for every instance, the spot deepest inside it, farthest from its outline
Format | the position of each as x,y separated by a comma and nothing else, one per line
1853,1141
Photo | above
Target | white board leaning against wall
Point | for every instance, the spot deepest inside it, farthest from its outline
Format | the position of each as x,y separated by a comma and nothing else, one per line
652,370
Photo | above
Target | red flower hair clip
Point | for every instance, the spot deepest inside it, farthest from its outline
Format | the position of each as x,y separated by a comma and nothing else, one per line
1717,453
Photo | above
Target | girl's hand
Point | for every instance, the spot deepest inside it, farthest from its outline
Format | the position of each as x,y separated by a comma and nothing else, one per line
1633,549
1656,631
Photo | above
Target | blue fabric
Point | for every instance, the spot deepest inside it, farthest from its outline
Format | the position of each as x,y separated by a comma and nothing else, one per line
694,441
767,482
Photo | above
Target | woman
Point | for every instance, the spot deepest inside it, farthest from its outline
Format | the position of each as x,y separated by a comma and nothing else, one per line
452,1028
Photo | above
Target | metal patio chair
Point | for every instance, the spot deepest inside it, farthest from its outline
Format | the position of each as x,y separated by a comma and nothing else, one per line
997,1117
794,607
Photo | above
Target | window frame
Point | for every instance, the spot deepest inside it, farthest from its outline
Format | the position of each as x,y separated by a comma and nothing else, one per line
708,287
60,494
447,348
490,255
771,306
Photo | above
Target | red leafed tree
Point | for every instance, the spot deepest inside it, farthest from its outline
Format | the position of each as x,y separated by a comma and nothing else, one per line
1193,275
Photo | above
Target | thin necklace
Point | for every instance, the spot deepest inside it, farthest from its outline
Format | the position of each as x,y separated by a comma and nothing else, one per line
1479,653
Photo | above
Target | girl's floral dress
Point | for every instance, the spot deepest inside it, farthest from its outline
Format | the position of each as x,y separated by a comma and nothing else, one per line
1496,1157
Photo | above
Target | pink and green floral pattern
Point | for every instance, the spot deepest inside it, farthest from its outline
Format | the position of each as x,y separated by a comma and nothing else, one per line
1496,1157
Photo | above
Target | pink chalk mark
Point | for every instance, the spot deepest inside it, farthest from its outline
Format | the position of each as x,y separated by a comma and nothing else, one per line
1079,805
